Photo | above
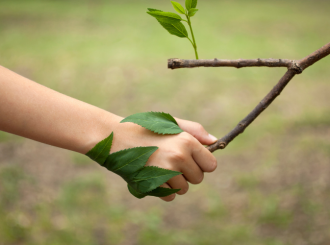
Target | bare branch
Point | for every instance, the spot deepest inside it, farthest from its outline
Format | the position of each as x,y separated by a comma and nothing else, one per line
179,63
314,57
294,67
270,97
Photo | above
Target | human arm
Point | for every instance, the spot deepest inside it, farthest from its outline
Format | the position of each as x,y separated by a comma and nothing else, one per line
34,111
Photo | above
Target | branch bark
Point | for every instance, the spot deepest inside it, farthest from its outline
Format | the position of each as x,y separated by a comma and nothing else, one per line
179,63
294,67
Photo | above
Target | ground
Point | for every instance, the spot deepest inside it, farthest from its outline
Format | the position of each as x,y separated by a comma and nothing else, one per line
272,185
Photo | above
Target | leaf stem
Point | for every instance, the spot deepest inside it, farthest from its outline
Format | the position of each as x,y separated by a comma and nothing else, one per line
191,42
193,37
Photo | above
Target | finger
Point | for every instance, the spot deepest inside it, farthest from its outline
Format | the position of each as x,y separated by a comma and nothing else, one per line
179,182
204,158
168,198
191,171
196,130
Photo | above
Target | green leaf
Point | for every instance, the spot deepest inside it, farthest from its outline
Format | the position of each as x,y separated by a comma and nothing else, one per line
192,12
158,122
191,4
162,192
167,17
194,4
158,192
149,178
176,29
101,151
178,7
154,10
129,161
136,193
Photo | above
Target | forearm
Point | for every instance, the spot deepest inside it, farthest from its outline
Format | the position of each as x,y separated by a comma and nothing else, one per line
33,111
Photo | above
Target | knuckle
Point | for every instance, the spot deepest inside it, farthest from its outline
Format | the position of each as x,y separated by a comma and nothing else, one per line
177,156
199,127
186,139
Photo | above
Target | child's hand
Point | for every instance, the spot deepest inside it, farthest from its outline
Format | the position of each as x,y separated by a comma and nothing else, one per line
183,152
39,113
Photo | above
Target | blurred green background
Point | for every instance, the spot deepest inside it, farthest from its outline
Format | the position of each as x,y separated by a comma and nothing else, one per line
272,185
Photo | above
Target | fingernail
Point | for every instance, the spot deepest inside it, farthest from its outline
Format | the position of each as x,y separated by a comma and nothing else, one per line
213,138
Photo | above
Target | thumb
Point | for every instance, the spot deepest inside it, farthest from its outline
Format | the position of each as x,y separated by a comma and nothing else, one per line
196,130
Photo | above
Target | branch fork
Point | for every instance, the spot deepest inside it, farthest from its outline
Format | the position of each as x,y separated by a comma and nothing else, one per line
294,67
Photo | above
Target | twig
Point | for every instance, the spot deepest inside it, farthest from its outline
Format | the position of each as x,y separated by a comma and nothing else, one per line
224,141
294,67
179,63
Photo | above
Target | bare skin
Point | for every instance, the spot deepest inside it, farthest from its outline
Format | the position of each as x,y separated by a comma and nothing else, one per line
36,112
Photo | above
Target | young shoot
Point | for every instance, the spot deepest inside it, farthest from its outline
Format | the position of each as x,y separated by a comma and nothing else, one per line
172,21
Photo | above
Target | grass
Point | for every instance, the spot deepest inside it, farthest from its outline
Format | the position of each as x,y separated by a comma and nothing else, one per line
272,185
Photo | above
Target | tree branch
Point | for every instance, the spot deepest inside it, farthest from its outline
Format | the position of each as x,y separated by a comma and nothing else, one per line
179,63
294,67
270,97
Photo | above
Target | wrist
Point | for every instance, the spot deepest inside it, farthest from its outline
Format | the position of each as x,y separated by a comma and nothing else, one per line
101,128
